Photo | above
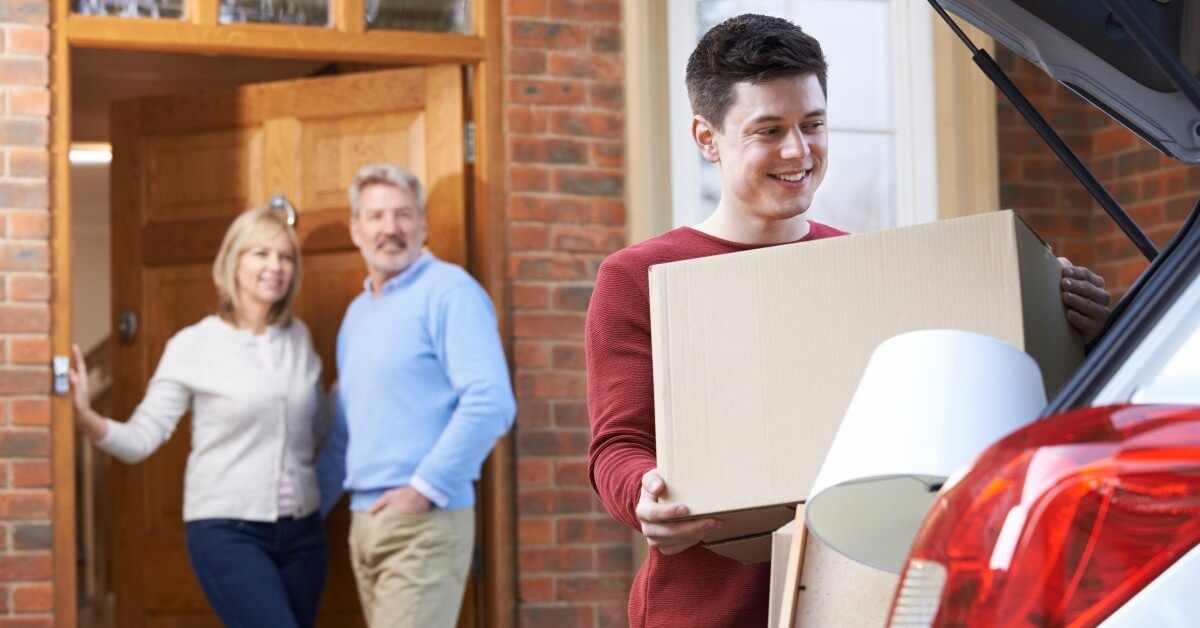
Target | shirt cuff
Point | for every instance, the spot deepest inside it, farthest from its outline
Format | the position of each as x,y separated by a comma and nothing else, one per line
439,499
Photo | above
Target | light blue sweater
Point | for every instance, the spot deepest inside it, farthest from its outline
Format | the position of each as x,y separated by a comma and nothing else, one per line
423,389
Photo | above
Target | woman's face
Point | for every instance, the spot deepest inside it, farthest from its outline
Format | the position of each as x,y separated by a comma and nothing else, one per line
265,270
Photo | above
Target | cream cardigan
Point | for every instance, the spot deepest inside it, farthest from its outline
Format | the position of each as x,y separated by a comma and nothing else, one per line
250,422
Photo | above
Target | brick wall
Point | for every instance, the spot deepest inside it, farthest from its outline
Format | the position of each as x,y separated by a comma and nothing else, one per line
564,130
26,592
1157,191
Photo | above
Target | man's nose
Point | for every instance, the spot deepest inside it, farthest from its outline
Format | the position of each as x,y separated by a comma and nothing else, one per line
795,145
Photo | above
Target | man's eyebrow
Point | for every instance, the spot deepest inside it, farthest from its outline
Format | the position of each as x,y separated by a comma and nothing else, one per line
815,113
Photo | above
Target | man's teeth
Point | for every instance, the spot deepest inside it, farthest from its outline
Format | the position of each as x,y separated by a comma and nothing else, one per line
790,177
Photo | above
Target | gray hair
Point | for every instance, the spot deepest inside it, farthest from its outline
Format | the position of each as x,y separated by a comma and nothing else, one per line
387,174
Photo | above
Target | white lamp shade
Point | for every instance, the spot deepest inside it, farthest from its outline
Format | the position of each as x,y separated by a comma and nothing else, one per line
929,402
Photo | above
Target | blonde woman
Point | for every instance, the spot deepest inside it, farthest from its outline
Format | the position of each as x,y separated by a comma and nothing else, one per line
251,379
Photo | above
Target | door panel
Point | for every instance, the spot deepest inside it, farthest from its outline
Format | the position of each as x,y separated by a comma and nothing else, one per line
183,168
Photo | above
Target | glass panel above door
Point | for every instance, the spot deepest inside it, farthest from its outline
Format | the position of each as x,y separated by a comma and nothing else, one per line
154,9
303,12
441,16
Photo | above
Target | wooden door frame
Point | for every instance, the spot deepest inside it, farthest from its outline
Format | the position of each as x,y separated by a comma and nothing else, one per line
346,41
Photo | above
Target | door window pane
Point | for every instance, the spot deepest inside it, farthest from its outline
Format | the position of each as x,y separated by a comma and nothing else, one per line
442,16
856,38
306,12
162,9
858,193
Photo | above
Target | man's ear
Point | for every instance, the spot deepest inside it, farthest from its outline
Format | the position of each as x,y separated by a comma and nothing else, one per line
705,137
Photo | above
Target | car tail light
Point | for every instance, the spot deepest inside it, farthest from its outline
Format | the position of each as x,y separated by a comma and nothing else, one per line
1059,523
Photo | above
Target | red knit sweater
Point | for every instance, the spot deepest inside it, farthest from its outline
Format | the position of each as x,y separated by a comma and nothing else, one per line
695,587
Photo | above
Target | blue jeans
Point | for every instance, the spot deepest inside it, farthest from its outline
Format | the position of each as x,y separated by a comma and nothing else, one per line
260,573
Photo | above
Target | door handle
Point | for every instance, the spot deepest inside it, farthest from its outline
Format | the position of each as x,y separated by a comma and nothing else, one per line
127,326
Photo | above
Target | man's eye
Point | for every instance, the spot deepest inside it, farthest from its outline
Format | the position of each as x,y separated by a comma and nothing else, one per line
771,131
819,124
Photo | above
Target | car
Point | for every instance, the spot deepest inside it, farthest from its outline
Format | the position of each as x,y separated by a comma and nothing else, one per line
1091,515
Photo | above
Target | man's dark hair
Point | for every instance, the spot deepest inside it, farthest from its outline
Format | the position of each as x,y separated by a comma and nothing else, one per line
749,47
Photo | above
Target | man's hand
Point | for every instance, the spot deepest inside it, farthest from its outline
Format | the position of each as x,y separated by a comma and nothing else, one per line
1086,299
669,537
406,500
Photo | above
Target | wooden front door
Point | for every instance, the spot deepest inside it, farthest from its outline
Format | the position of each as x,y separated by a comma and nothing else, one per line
183,167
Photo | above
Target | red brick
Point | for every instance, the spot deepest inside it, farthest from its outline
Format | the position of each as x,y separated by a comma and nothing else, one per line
589,239
613,613
29,350
534,471
25,567
531,355
24,381
588,66
582,530
32,598
526,119
30,288
24,12
528,179
24,318
535,531
550,443
28,102
552,560
571,473
28,41
594,124
31,473
21,194
561,501
608,211
606,95
24,443
605,39
528,237
547,150
589,182
544,92
533,266
536,589
573,297
591,588
26,162
543,209
539,616
530,296
537,325
614,559
32,536
533,413
19,506
526,61
607,153
27,622
17,255
570,414
24,71
565,356
526,7
590,10
545,35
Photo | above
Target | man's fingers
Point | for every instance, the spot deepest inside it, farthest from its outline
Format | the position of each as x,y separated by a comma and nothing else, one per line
1085,306
688,532
653,511
652,483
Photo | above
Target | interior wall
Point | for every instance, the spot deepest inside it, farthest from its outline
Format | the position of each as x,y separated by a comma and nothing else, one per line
91,260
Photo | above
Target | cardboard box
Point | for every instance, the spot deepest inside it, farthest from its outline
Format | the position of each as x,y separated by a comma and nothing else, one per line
757,354
834,590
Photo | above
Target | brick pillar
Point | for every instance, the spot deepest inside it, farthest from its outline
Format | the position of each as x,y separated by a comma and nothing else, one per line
564,143
26,590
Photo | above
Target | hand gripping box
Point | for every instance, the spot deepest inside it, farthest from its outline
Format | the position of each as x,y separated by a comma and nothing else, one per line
758,353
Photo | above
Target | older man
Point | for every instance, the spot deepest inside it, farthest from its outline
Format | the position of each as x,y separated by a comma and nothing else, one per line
423,394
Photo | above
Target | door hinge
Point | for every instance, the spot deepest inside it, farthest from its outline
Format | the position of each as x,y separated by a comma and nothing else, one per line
469,141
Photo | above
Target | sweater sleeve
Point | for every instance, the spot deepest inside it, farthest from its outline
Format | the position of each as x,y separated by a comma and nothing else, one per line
620,391
469,349
167,399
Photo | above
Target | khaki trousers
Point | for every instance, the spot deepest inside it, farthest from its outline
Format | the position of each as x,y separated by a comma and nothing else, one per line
411,570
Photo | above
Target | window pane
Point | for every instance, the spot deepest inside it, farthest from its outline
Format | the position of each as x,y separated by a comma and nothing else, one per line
709,13
858,193
443,16
165,9
856,38
308,12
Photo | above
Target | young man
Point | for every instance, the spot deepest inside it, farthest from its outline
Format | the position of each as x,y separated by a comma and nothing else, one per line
423,395
757,89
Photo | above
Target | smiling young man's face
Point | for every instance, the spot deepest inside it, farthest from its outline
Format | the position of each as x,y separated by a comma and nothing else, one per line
772,149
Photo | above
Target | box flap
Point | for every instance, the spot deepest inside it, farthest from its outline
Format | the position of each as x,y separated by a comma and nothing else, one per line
747,550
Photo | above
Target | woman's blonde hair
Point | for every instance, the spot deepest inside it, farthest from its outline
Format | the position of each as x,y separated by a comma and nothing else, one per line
250,229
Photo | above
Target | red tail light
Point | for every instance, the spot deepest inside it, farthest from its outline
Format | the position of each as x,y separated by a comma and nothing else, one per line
1060,523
